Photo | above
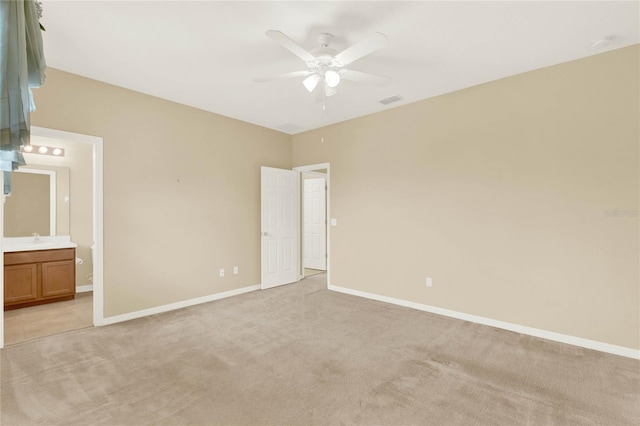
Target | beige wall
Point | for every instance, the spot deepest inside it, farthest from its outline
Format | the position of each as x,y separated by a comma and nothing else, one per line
501,194
26,210
78,163
181,190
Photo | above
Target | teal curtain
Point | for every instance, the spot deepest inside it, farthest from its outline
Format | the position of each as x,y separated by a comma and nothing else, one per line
22,66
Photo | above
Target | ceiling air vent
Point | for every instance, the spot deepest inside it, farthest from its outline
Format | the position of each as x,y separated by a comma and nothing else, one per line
391,99
289,127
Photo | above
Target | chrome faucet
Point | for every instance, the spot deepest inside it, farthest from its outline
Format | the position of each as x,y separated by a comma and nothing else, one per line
36,237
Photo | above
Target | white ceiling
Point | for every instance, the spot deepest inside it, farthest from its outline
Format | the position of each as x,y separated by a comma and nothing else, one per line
206,53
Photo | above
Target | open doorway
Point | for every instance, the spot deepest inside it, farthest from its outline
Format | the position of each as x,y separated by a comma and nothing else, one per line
314,219
281,230
314,223
75,214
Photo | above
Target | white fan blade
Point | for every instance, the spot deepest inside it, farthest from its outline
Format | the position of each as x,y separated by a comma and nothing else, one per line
290,45
282,76
364,77
370,44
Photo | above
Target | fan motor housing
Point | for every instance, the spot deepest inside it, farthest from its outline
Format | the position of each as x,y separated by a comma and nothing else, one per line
324,53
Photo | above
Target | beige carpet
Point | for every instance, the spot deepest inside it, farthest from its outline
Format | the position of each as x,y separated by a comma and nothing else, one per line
300,354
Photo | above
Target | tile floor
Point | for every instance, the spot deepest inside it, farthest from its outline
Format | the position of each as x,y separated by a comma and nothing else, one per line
44,320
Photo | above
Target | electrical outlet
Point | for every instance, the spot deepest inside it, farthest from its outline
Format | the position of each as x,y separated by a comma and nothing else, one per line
235,270
221,272
429,282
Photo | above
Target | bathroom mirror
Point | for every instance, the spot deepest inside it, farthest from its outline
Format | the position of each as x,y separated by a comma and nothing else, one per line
39,202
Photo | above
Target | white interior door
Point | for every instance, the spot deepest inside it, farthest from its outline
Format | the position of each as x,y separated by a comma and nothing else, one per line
280,203
315,238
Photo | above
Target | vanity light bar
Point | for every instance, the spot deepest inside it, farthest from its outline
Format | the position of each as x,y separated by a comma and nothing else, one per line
43,150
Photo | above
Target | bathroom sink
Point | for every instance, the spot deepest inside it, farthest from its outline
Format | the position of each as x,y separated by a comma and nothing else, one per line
39,245
45,243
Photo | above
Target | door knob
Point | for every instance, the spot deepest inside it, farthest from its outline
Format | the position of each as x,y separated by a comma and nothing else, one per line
264,234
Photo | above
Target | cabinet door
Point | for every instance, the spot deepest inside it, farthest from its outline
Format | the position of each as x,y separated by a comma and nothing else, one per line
20,283
58,278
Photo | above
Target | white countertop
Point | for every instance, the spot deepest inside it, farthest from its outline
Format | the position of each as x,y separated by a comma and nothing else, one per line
44,243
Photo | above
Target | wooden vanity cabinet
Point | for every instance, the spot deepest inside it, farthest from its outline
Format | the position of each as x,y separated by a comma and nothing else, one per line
40,276
21,283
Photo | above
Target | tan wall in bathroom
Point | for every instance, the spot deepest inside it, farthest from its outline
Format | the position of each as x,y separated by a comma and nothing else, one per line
26,210
501,194
181,190
78,165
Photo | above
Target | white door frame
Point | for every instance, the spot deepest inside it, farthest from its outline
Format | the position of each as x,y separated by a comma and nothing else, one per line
98,227
313,168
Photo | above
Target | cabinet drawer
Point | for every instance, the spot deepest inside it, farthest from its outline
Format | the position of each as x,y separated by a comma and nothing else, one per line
20,283
37,256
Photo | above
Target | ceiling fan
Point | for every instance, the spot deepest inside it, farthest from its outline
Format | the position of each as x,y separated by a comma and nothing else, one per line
326,65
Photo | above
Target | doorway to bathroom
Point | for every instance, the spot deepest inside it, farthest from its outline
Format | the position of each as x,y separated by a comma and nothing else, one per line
72,206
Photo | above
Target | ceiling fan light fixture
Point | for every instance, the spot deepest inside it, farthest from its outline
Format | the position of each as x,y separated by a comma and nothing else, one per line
332,78
329,91
311,82
325,64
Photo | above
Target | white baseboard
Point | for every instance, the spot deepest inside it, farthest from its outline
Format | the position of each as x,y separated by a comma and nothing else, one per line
177,305
550,335
84,288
